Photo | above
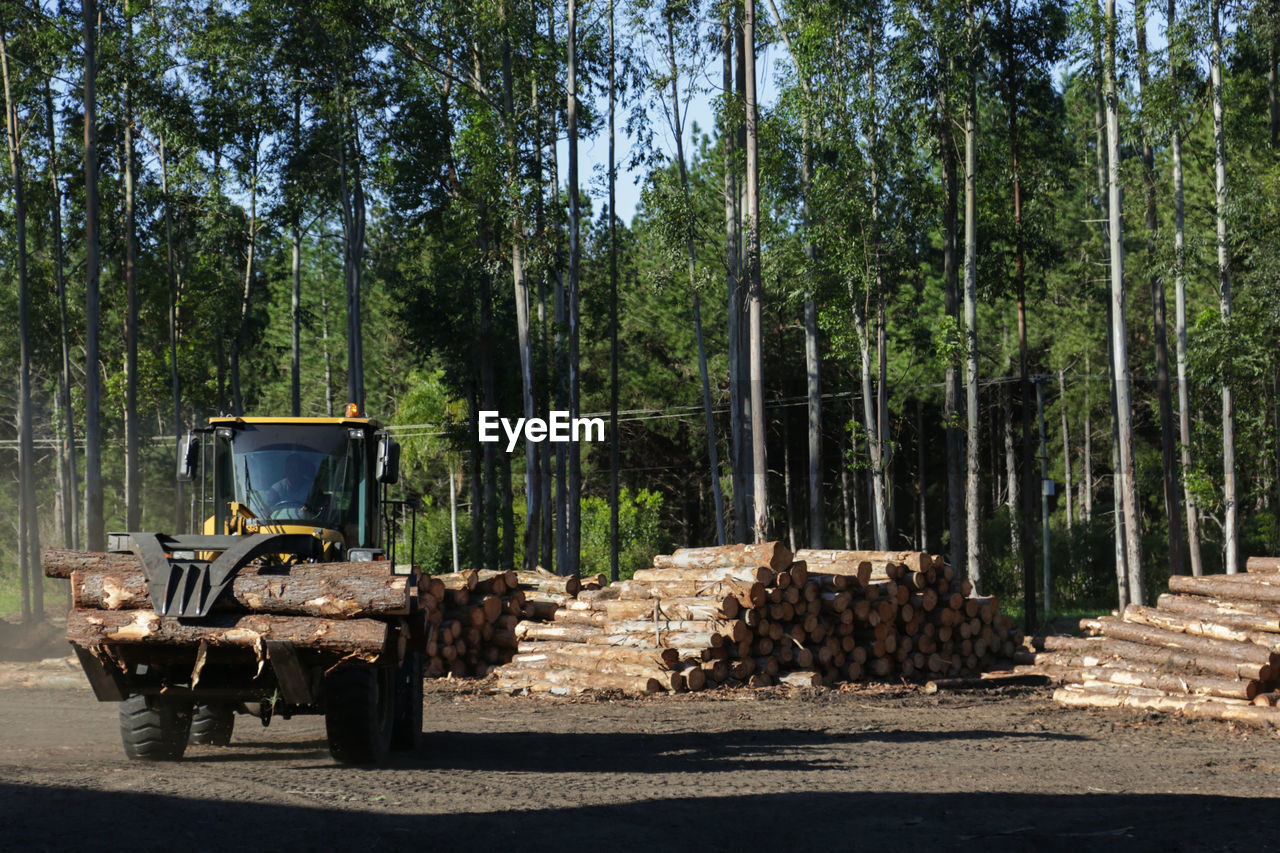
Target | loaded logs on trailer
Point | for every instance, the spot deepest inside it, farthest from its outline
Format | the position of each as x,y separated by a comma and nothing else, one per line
759,615
1210,648
338,610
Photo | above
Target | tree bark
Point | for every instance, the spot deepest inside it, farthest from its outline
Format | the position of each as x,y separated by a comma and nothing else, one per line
614,463
575,321
295,270
367,639
760,526
728,136
1230,508
951,286
1119,340
1066,446
175,380
713,456
973,561
95,526
29,529
524,344
132,484
69,481
1172,504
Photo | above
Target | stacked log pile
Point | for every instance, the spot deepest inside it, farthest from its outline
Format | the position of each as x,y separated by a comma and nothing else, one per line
333,610
758,615
1210,648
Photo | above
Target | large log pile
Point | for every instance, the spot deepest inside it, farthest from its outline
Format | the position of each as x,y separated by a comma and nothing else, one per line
334,611
1209,648
759,615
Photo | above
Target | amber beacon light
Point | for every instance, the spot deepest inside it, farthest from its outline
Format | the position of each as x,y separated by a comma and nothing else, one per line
353,411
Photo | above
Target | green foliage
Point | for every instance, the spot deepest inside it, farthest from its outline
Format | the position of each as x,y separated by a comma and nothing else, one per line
641,533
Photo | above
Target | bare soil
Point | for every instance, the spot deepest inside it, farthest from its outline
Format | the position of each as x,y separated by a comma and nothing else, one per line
775,769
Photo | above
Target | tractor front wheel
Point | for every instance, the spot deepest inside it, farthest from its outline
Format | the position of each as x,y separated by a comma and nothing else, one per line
359,713
155,728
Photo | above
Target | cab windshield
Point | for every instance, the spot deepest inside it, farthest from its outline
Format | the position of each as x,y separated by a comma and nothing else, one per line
297,473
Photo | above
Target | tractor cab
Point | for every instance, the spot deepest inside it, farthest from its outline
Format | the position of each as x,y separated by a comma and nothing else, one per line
316,476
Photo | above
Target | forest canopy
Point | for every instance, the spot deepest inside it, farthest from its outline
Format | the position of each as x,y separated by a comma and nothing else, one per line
992,279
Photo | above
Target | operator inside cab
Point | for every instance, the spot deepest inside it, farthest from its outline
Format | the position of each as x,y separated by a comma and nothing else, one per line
291,491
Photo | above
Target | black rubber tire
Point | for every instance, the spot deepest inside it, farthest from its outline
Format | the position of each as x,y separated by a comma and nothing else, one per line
359,713
155,728
406,733
212,724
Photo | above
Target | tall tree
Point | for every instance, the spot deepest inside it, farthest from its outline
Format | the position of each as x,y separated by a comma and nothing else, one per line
1173,508
1230,508
29,528
973,561
95,526
755,334
1177,37
575,320
1127,477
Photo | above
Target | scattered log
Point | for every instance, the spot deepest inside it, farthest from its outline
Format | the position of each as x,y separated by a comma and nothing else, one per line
774,555
747,574
1112,696
987,681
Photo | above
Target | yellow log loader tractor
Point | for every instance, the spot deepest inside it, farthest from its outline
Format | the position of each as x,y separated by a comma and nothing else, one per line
267,611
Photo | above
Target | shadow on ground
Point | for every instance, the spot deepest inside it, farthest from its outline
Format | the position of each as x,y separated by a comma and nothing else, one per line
39,818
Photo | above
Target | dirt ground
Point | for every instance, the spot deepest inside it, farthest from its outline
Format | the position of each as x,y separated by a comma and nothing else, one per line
782,770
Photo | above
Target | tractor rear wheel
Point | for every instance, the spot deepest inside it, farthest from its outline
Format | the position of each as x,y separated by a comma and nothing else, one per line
155,728
406,734
211,724
359,713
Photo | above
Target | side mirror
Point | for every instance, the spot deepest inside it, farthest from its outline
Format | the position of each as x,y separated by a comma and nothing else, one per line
188,457
387,469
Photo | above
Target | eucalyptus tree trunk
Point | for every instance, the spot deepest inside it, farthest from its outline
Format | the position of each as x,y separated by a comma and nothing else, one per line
1086,503
295,270
813,384
759,469
351,188
132,485
922,508
1230,509
870,423
575,320
68,482
95,526
1100,163
973,494
713,456
524,344
246,298
733,251
1013,496
175,381
29,528
1119,341
614,464
1172,504
951,286
1066,446
1180,321
328,356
